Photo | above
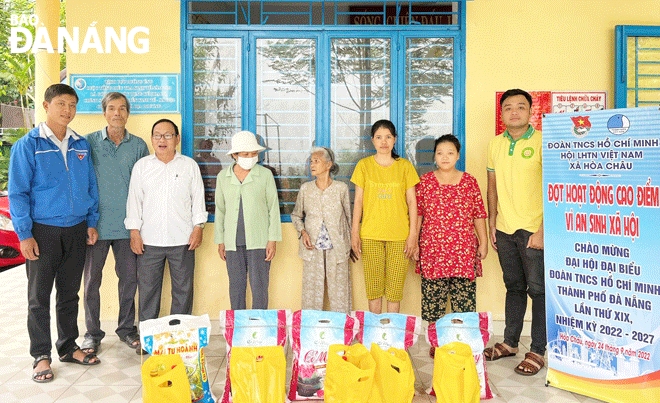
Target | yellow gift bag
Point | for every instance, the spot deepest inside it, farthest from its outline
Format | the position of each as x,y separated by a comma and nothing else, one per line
455,378
349,376
164,379
258,374
394,378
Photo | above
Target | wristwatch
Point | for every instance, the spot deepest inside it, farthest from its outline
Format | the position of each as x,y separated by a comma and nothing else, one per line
200,225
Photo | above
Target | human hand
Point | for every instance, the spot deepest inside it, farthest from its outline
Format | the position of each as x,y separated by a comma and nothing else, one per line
222,252
136,242
306,240
482,251
356,245
536,240
92,236
30,249
493,239
270,250
195,238
353,256
410,249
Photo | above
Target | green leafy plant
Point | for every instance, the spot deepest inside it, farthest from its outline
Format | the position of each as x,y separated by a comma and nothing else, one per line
10,136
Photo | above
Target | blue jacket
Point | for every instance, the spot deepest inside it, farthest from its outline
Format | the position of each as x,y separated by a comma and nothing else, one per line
43,190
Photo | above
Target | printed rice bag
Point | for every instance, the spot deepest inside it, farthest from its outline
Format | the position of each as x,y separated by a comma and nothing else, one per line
471,328
185,335
312,333
388,329
252,328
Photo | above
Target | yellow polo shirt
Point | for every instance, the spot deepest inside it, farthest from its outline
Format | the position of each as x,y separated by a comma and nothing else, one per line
518,173
384,205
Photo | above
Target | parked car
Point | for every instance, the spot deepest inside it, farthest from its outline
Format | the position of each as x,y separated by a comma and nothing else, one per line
10,247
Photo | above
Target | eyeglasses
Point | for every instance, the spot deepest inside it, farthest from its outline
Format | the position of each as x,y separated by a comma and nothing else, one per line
159,136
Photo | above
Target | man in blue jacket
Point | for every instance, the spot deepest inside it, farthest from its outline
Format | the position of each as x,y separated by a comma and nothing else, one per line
53,201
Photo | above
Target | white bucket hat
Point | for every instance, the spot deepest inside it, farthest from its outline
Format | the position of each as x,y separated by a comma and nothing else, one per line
244,141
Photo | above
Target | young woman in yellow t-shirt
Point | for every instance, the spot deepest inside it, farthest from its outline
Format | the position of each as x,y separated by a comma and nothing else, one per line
384,200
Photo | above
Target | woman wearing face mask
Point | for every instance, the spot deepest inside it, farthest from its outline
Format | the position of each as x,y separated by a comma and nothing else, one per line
247,221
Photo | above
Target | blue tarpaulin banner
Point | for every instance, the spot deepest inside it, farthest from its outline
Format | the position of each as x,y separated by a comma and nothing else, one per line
601,176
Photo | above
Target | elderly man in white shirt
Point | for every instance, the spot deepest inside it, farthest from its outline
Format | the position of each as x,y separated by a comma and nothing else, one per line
165,214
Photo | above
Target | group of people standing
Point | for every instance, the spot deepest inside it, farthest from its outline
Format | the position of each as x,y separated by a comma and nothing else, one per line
73,198
439,221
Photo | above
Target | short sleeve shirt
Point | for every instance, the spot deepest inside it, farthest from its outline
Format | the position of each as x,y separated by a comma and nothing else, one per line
113,165
518,174
448,244
384,205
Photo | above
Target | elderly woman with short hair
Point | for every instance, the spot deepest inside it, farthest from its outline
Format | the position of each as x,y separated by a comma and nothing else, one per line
322,217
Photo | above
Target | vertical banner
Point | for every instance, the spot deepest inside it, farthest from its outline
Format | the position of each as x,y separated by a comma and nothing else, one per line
601,212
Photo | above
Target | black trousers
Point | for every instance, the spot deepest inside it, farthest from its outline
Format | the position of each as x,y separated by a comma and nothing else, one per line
61,260
523,273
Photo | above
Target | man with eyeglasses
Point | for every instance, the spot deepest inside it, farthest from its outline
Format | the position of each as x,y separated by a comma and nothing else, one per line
114,153
165,214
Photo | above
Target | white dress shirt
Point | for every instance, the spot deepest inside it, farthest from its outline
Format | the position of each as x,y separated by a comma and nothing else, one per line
165,201
45,132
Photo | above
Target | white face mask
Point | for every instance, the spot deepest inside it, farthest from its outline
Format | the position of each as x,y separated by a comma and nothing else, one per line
247,163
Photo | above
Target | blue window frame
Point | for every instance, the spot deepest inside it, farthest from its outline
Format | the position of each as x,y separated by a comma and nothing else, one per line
637,66
319,82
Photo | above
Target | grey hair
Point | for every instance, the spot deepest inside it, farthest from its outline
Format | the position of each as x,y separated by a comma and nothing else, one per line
329,156
111,96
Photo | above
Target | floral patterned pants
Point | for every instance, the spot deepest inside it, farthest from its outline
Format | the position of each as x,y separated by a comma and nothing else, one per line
462,292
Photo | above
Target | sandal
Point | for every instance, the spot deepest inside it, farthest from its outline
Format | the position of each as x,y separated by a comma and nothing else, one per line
499,350
45,372
90,345
68,357
132,340
531,365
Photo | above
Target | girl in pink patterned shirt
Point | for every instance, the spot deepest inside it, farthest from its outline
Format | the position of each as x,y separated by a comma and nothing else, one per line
450,210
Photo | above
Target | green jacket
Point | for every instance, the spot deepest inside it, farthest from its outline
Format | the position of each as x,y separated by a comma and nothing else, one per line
261,209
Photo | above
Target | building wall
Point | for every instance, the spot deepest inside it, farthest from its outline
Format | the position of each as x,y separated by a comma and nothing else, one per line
545,45
542,45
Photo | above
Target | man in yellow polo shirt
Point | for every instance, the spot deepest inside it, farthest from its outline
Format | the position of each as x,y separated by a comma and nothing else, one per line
515,210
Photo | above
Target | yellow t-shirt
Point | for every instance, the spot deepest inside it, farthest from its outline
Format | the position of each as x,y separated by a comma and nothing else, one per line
518,176
384,206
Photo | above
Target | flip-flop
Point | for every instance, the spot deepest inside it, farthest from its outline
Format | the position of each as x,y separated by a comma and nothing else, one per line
49,371
498,351
527,367
68,357
90,345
